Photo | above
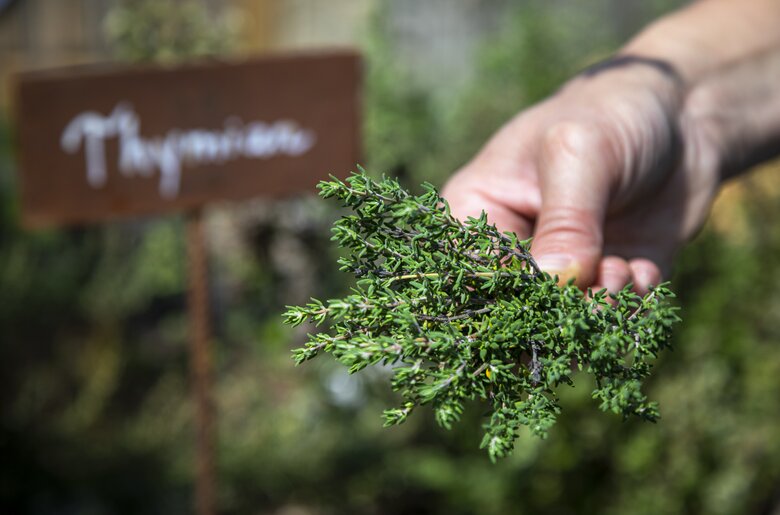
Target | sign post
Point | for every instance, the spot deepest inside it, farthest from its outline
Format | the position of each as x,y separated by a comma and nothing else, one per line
201,364
103,142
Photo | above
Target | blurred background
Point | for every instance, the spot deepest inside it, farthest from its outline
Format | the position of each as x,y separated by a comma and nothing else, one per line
95,413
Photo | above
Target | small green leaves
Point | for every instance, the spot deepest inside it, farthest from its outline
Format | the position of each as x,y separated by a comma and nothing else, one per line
461,311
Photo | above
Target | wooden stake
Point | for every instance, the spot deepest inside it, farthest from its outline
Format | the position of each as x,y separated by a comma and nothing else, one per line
201,368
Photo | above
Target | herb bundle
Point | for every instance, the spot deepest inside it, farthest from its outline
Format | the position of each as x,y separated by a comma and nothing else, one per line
461,311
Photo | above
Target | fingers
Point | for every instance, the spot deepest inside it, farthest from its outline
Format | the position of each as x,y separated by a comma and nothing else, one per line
644,274
574,169
614,273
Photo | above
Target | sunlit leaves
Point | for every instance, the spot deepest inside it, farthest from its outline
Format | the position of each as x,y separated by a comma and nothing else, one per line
460,311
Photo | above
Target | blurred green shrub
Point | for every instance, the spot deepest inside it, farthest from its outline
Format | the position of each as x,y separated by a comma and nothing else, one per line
169,30
400,126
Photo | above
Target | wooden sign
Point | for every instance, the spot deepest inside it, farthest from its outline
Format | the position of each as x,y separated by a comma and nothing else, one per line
110,141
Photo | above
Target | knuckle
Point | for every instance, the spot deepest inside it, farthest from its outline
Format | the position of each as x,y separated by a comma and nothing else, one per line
576,138
577,145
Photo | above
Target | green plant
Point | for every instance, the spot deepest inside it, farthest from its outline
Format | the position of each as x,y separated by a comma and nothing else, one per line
169,30
461,311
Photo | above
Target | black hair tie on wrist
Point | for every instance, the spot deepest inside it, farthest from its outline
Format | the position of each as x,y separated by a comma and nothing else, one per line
620,61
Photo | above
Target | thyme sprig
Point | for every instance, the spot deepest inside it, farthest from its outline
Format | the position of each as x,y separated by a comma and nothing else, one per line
461,311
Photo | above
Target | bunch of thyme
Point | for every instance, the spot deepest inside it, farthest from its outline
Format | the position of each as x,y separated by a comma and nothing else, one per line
461,311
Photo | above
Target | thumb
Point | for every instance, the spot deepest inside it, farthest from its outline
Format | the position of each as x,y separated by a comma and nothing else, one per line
575,184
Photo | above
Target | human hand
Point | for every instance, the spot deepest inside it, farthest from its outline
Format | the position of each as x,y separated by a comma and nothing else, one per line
608,175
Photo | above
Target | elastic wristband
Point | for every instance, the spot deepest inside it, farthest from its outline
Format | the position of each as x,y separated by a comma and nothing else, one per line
622,60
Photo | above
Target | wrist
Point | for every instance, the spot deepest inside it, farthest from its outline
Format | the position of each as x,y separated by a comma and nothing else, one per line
705,36
626,60
705,132
638,71
736,111
635,73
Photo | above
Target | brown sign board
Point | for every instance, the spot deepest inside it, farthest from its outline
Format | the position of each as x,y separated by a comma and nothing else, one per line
101,142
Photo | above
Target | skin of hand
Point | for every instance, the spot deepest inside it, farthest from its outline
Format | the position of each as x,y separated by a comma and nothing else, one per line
618,169
608,175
